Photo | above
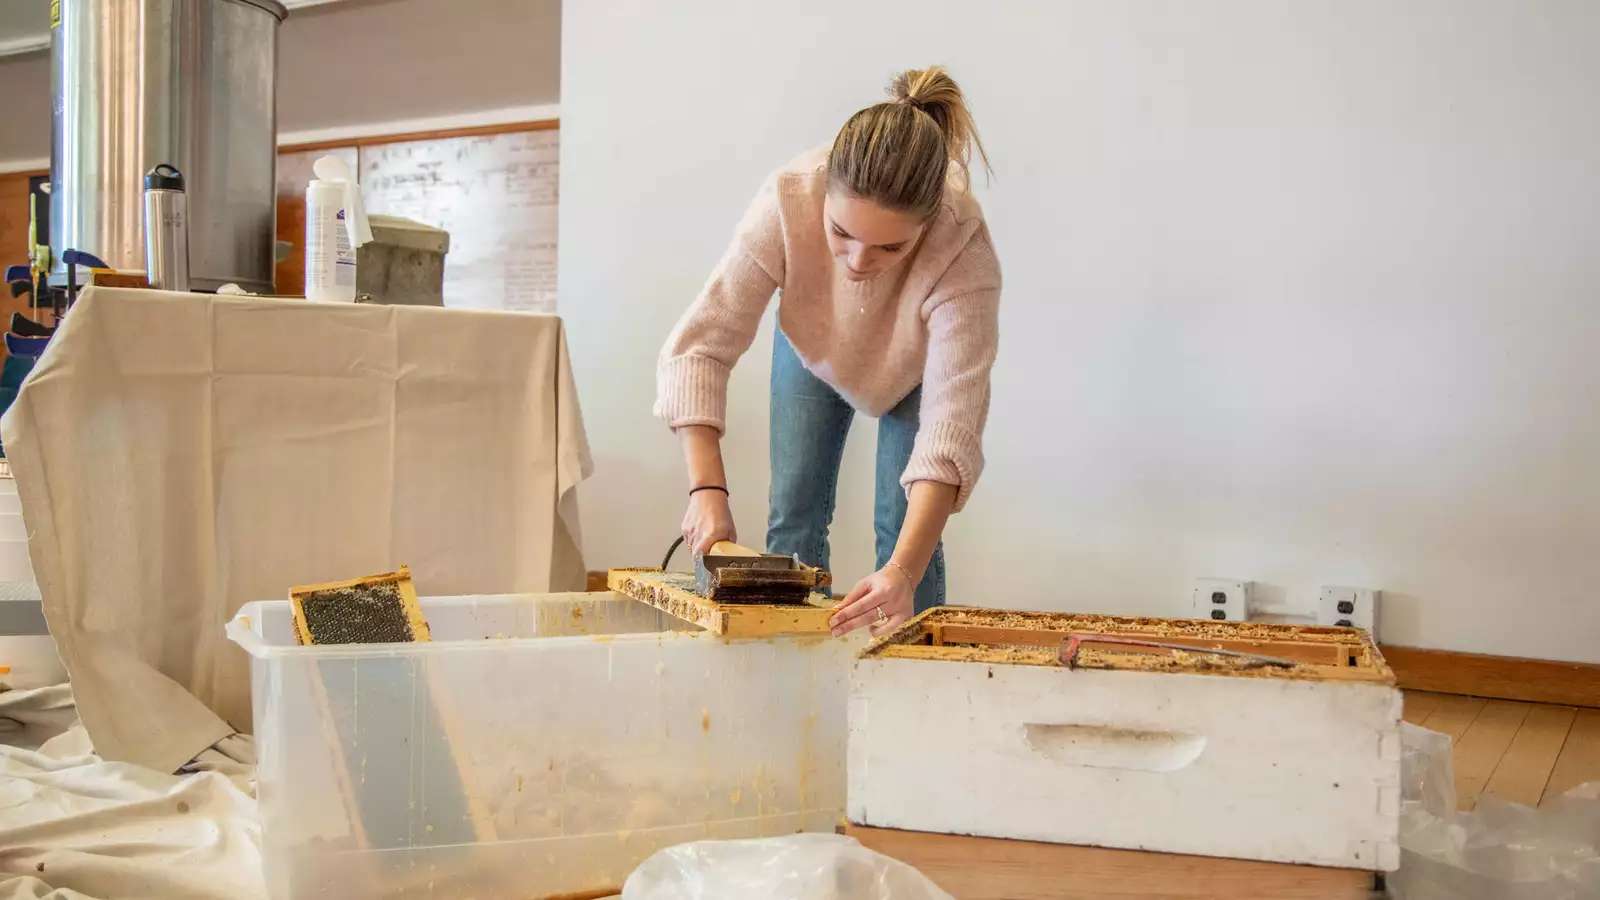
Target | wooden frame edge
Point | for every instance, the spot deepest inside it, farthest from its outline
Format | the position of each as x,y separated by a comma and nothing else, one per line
695,610
727,620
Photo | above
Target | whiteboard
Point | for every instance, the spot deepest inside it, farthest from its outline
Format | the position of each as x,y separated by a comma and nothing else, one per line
495,194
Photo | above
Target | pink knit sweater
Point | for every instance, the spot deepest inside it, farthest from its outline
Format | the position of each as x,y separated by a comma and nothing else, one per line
932,320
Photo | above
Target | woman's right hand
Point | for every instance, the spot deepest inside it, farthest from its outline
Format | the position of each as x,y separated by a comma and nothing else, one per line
708,520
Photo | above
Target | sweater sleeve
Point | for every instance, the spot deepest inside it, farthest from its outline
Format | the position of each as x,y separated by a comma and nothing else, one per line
719,326
963,339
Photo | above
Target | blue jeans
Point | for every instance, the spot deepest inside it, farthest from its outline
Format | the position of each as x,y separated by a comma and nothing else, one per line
809,424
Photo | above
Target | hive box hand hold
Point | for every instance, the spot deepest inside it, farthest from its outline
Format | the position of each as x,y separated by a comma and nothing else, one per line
1283,747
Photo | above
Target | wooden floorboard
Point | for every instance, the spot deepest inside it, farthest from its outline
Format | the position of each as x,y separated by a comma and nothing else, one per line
1580,755
1526,753
1419,705
1453,715
977,868
1526,766
1479,750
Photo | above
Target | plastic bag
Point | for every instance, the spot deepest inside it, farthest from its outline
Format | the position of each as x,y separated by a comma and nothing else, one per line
793,867
1500,850
1426,774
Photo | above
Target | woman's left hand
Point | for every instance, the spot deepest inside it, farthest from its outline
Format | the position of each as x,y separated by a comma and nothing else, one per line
888,590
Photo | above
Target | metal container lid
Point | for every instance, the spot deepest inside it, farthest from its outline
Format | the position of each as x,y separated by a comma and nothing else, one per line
164,177
271,6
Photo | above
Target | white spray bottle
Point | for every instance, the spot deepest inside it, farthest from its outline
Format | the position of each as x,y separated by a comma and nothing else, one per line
336,224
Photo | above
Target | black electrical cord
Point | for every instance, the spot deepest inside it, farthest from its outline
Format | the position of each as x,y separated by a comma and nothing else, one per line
671,550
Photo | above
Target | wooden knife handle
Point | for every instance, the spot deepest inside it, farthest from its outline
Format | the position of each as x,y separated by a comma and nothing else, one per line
729,548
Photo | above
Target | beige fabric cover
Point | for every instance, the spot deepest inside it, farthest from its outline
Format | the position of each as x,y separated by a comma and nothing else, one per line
179,455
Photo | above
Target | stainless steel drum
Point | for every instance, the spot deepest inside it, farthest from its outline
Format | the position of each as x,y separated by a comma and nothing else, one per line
192,83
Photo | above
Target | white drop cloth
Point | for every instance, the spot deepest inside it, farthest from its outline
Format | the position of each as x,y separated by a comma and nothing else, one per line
28,718
178,455
75,826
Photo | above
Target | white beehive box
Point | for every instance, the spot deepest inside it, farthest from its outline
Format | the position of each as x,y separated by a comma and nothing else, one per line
967,722
539,745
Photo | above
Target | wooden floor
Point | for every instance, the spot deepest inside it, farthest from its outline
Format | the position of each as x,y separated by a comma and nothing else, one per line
1523,752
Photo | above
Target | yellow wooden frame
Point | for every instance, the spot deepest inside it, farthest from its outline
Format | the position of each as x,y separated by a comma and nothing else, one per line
408,600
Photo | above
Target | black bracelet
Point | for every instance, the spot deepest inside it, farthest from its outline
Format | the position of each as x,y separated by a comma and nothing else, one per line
708,487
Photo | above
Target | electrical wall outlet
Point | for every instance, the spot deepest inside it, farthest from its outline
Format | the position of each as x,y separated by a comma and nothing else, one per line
1348,607
1221,599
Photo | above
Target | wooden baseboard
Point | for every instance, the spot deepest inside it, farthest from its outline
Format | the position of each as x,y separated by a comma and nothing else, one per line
1501,677
978,868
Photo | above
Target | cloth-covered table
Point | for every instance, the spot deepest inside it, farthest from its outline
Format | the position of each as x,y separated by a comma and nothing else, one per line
178,455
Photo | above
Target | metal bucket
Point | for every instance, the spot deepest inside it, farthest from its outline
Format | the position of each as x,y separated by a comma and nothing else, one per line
193,83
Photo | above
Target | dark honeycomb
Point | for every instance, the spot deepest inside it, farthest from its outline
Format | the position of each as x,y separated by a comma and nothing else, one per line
363,614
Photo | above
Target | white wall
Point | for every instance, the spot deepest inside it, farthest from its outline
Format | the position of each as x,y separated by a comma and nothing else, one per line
25,88
1300,293
359,62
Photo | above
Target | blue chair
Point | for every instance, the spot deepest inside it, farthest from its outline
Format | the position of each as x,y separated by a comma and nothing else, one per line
19,345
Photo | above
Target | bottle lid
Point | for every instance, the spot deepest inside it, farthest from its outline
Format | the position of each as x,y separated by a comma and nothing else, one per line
331,170
163,177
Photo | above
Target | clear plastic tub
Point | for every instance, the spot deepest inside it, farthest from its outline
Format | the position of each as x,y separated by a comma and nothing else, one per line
540,745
